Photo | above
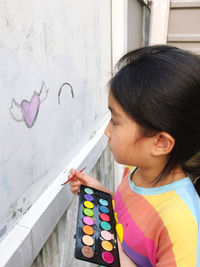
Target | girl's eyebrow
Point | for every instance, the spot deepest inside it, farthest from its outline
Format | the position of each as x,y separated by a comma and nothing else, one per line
113,111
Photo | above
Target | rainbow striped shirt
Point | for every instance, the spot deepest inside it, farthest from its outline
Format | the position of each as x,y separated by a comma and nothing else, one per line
159,226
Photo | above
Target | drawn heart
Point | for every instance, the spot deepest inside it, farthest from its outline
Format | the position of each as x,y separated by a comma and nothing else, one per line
30,109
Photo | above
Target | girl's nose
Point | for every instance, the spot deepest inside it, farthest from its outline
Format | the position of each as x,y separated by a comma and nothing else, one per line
107,130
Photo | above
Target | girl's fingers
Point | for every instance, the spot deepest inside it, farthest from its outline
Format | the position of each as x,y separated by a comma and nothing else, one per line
79,175
72,171
82,178
74,190
75,183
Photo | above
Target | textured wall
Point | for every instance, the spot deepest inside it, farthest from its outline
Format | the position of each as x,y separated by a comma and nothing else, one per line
59,248
54,63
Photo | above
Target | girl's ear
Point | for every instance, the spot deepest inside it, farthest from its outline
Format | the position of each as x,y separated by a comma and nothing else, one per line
163,144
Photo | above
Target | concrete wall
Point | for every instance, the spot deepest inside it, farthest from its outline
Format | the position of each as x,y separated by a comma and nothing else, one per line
55,61
44,122
93,43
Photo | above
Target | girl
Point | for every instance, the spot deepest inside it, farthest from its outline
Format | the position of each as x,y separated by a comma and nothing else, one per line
154,100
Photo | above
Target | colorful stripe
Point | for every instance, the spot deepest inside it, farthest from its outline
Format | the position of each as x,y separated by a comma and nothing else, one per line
132,232
159,229
179,233
139,259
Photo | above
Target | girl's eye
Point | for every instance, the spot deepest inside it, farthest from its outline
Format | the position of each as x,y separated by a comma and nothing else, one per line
113,122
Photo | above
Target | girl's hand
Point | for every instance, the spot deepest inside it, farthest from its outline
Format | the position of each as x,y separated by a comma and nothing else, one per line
82,178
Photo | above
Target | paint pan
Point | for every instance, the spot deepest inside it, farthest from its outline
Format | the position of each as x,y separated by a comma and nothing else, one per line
95,234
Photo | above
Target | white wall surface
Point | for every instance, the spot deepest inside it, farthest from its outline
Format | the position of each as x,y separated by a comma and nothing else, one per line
119,29
119,48
48,43
159,21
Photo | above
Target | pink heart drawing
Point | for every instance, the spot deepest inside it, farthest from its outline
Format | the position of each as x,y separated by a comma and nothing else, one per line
30,109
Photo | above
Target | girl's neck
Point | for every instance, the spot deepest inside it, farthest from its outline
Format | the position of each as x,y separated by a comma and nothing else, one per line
146,177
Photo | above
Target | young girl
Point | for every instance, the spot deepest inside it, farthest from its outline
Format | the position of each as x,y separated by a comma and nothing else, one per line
154,100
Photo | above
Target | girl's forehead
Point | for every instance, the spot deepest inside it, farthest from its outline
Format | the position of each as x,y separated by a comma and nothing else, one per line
113,105
112,100
116,109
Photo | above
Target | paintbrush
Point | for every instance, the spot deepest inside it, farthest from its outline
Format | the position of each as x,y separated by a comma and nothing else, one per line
72,177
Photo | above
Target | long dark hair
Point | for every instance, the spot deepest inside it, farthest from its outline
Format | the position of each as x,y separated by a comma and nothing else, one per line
159,87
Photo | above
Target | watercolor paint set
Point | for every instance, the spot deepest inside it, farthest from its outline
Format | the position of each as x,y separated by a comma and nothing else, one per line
95,233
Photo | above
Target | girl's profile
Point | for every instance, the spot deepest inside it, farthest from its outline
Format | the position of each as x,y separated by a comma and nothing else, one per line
154,100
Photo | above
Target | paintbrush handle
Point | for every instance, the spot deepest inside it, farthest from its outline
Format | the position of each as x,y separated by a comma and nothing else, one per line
72,177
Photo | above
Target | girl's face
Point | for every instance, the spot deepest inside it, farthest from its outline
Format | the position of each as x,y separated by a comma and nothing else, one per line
123,133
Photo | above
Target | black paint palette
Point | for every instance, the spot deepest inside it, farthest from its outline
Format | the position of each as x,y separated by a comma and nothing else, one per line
95,234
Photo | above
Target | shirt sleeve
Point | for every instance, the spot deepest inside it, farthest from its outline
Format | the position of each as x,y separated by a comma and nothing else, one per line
181,250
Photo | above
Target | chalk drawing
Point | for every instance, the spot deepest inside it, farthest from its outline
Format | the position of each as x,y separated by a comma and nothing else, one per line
28,111
61,88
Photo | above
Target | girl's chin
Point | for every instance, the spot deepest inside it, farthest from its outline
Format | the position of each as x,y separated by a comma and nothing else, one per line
114,156
117,160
